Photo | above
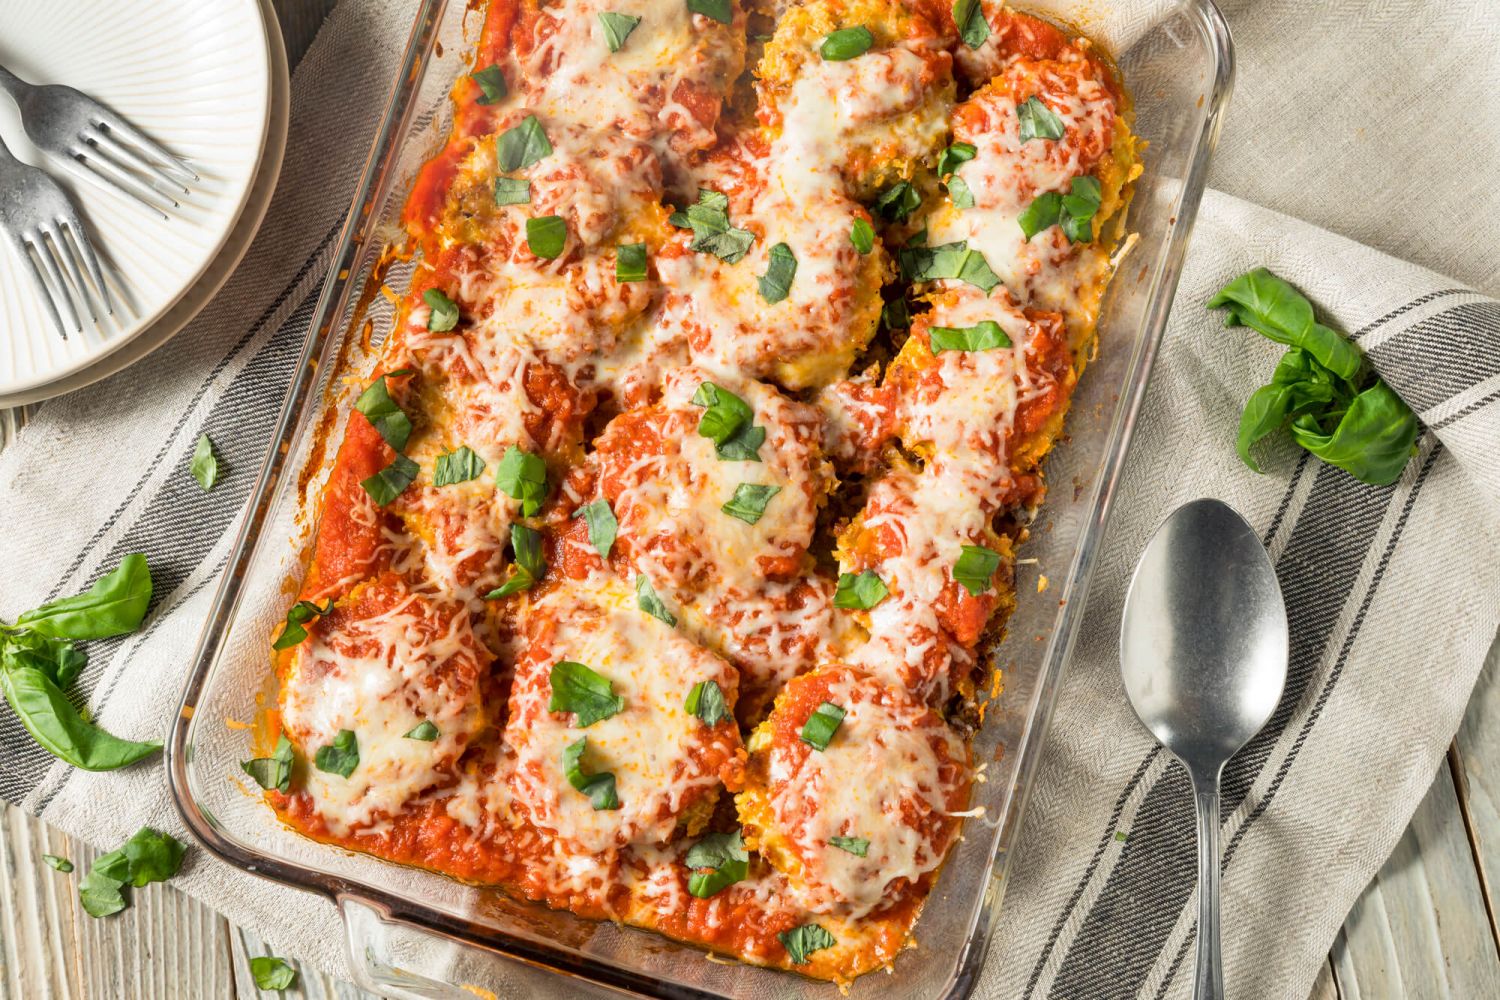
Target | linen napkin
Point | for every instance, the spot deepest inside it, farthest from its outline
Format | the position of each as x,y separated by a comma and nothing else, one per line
1394,593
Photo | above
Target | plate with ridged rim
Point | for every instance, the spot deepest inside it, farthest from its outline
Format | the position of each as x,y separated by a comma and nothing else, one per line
195,76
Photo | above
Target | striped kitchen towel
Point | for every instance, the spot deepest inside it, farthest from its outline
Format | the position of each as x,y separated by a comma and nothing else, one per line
1393,592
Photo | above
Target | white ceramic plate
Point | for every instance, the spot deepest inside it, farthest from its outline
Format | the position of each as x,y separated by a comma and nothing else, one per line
194,75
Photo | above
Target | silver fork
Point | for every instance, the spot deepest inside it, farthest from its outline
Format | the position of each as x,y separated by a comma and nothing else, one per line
35,214
96,143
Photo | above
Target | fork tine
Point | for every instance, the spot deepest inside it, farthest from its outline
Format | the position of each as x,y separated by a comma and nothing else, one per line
67,261
130,158
21,248
77,167
84,250
106,170
43,254
130,133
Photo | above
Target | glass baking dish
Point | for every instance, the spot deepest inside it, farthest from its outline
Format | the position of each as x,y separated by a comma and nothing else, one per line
416,934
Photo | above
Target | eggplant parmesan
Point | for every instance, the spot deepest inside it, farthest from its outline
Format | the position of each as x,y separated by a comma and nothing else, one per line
659,557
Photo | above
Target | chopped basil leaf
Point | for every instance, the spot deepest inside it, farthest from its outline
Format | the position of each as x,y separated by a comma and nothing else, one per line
975,567
821,725
1079,207
800,942
387,484
706,701
749,501
1074,212
776,283
424,731
272,973
457,466
728,422
529,565
602,525
917,239
297,616
862,235
725,855
512,191
959,193
617,28
846,43
577,689
492,82
523,477
982,336
58,864
522,145
443,314
600,788
384,415
340,757
972,27
99,890
718,10
712,232
274,771
1038,121
205,464
954,156
854,845
630,262
862,591
1121,836
152,856
647,601
898,201
947,260
895,315
545,236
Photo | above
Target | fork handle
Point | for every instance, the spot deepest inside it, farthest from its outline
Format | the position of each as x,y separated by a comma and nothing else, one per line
12,84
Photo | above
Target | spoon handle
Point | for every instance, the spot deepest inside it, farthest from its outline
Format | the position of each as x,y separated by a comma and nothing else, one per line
1208,982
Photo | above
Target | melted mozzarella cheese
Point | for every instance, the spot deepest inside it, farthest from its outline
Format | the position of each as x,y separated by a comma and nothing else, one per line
879,779
664,760
379,677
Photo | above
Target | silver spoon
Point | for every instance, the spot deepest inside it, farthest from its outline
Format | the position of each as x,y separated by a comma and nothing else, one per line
1203,650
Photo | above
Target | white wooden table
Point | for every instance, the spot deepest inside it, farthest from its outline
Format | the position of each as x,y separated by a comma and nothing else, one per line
1424,928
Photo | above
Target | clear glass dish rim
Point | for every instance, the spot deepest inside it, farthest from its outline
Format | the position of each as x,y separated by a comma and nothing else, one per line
340,283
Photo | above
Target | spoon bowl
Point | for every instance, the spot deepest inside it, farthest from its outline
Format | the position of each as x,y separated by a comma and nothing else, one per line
1203,654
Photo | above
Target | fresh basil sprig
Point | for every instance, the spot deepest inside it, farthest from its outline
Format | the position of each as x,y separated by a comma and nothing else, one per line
1321,392
38,661
149,856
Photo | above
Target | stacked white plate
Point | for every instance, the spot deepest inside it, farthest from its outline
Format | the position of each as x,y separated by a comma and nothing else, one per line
208,80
